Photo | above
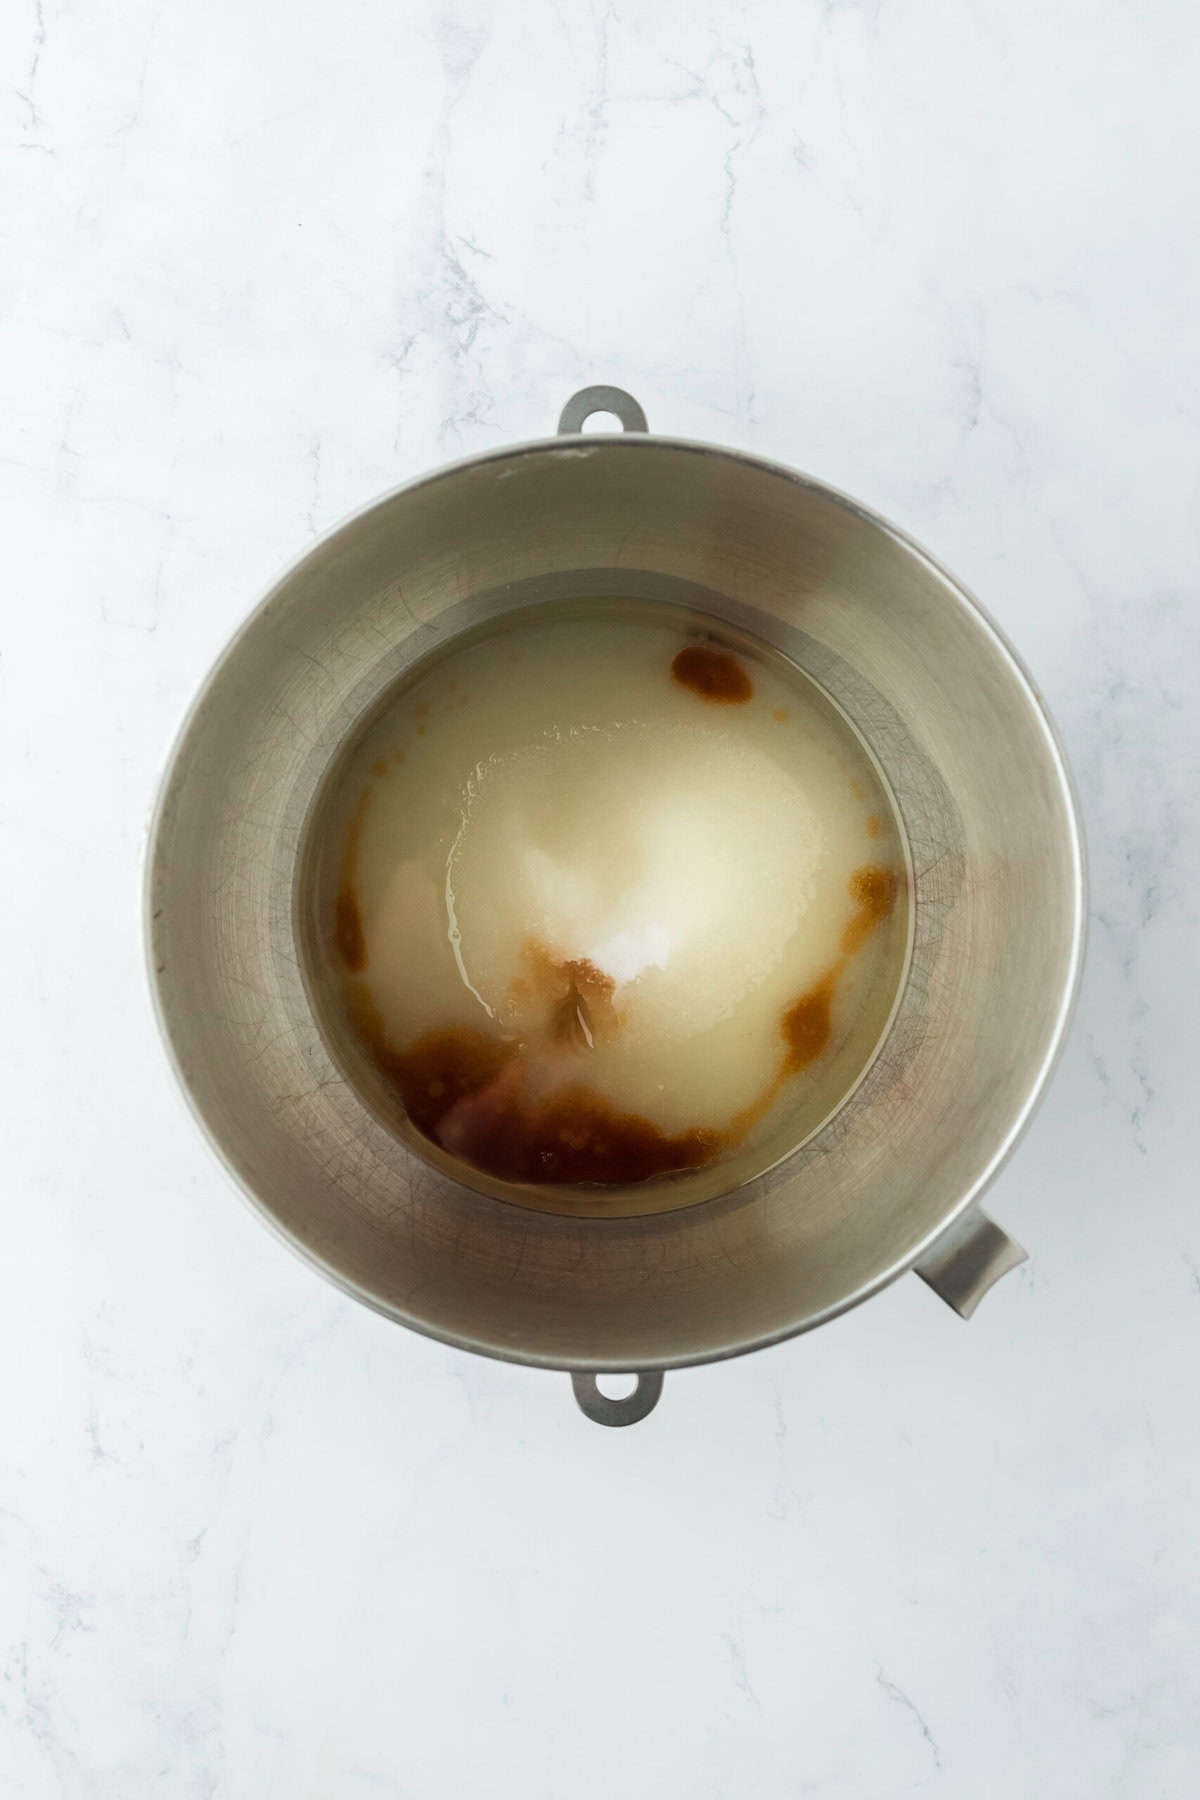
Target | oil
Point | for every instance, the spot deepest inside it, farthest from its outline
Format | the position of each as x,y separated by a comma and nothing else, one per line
602,897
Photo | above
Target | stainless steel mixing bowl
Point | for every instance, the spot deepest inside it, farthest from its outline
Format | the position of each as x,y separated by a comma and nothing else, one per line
893,1181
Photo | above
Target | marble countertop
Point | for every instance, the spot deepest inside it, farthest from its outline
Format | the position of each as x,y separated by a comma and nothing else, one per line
261,262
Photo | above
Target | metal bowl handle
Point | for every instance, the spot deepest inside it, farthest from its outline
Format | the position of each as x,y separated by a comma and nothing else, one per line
968,1260
589,400
603,1410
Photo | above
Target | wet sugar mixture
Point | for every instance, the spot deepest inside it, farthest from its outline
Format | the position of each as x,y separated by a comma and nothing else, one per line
603,897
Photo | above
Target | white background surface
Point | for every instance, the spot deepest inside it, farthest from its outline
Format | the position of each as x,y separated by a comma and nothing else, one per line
265,260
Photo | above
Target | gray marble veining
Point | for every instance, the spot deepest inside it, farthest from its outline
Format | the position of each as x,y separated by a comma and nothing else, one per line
260,263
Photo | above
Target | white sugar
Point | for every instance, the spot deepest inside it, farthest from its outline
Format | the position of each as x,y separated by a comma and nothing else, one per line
551,791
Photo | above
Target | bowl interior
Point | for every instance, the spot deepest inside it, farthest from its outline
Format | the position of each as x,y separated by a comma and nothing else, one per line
996,901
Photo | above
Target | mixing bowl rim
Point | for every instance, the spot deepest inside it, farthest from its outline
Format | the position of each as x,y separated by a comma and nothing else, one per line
576,446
